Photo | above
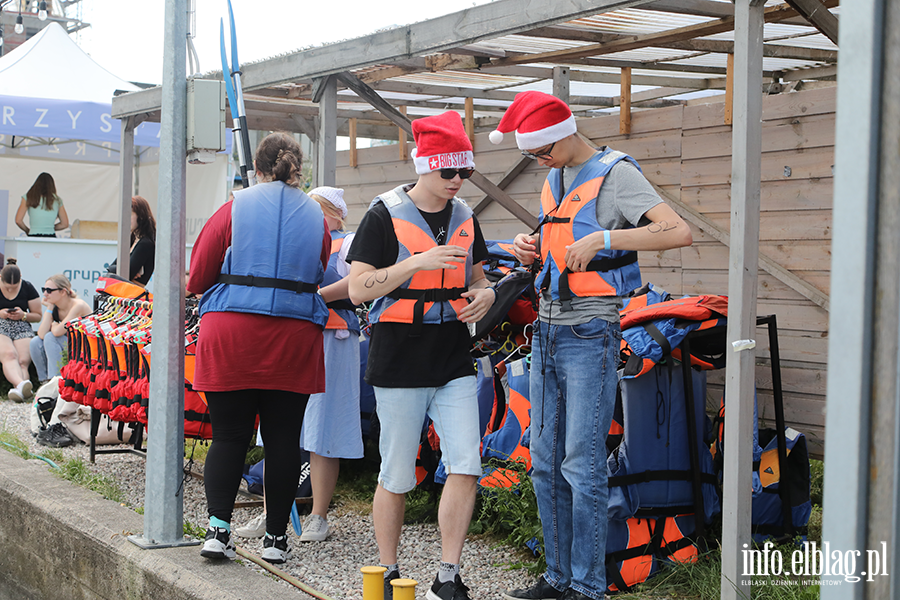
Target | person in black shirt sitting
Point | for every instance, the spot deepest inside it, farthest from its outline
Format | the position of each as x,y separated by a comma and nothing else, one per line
20,306
143,243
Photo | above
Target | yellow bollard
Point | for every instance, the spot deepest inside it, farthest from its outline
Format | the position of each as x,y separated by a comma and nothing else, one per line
373,583
404,589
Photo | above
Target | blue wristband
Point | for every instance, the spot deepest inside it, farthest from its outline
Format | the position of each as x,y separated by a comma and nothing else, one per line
606,239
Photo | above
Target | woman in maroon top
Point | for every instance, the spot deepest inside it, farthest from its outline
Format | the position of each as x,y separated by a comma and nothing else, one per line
251,364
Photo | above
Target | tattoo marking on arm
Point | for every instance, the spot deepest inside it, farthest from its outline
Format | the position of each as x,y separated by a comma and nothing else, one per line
377,277
662,226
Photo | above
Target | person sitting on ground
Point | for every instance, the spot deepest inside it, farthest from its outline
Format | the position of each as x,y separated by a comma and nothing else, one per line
46,213
61,305
331,427
143,243
20,306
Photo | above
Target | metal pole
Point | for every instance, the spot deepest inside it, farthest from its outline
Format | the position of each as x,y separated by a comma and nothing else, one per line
326,141
850,347
163,500
743,267
126,179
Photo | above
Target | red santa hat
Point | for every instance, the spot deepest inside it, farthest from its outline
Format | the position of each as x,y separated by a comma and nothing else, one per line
538,119
441,143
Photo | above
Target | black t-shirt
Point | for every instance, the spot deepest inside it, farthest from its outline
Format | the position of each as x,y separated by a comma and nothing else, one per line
143,256
26,293
441,353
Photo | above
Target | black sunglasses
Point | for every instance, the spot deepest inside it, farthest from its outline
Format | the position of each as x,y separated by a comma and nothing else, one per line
542,155
50,290
451,173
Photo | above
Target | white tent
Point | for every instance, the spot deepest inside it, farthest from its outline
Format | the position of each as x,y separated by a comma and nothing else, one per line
55,117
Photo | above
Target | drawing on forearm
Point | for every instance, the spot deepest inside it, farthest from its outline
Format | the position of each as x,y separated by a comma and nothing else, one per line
662,226
377,277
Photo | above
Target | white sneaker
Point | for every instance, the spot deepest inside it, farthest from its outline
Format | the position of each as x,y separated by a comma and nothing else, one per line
25,388
254,528
218,544
15,394
315,529
276,549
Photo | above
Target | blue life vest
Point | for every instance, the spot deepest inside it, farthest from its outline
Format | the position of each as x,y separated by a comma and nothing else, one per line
431,297
273,265
566,220
341,313
650,471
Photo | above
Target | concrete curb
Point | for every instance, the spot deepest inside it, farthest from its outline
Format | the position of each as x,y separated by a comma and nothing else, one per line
63,542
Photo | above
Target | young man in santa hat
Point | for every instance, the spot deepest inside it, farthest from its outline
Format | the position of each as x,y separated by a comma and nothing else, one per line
597,210
418,251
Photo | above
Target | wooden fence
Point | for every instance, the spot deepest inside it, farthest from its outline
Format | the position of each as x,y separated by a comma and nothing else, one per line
686,152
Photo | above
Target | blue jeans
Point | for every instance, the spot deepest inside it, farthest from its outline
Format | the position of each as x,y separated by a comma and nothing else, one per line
46,354
573,393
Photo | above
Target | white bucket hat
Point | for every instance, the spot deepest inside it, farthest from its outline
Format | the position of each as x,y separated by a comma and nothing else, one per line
333,195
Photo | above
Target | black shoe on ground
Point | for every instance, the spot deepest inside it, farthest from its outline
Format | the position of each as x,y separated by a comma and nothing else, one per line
539,591
571,594
388,588
276,549
55,436
218,544
451,590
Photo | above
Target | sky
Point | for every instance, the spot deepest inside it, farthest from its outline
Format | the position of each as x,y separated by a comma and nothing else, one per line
126,37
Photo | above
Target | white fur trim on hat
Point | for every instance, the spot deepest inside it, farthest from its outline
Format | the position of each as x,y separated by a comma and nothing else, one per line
544,137
334,195
449,160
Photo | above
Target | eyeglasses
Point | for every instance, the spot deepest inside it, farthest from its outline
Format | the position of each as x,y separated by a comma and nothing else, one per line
542,155
50,290
451,173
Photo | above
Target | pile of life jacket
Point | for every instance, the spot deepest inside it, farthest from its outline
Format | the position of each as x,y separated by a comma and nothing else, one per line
109,359
767,518
652,516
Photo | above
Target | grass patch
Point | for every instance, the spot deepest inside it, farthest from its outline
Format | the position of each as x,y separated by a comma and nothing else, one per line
701,580
70,469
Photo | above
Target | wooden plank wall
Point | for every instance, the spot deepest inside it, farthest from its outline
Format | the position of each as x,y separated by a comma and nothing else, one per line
686,150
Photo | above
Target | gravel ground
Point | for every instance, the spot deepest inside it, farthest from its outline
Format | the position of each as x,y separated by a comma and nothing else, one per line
331,567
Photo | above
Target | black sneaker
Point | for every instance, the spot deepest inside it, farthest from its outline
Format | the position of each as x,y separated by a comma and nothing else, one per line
539,591
55,436
218,544
451,590
571,594
276,549
388,588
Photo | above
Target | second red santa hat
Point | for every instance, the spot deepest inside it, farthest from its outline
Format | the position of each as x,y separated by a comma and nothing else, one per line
441,143
538,119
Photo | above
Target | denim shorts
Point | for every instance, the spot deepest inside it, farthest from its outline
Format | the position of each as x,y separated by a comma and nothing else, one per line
401,412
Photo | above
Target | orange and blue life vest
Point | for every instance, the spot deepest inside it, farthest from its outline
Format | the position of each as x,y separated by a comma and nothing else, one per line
341,313
272,266
568,216
429,297
637,547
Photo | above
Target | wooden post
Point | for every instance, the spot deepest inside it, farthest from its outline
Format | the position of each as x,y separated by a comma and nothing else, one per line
354,161
404,151
561,83
470,119
625,102
743,271
729,90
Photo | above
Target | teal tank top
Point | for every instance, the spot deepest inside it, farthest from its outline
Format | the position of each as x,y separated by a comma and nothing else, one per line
42,221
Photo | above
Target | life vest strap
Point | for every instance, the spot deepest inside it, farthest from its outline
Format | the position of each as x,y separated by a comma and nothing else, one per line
421,297
299,287
341,305
664,475
601,265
